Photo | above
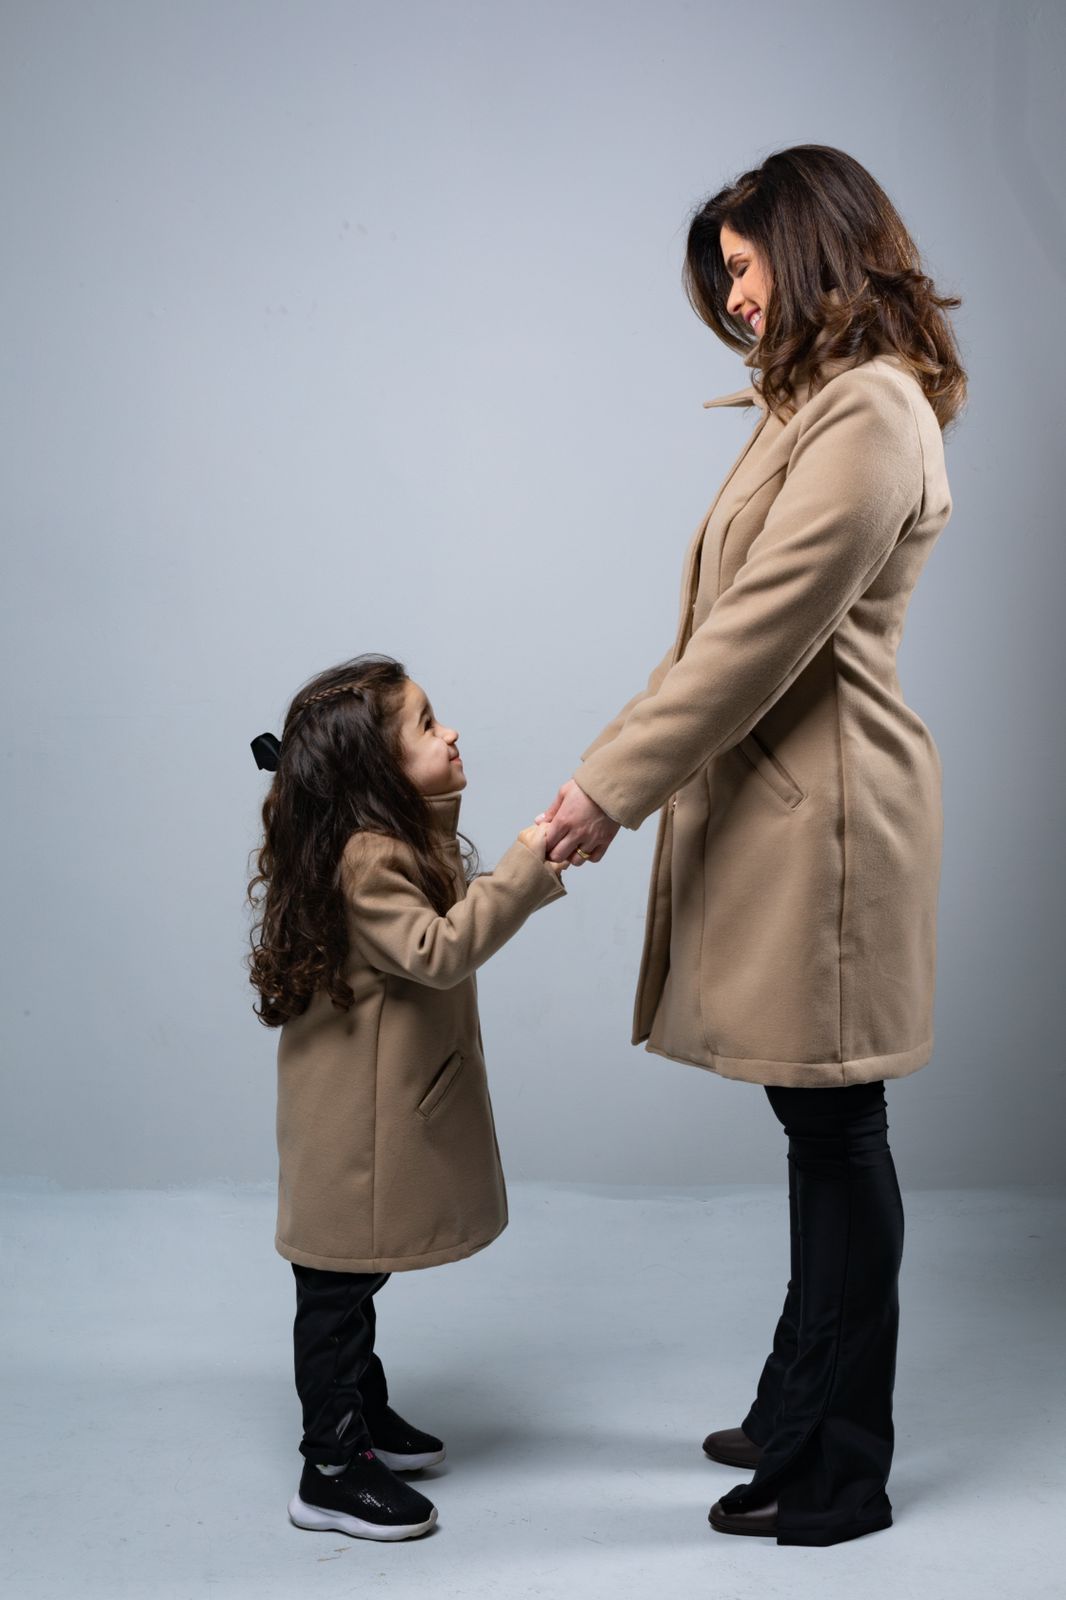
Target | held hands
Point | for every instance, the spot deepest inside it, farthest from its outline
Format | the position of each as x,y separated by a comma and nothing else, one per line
572,831
578,830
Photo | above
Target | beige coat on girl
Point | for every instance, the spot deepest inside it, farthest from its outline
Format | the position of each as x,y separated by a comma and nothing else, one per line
387,1145
791,924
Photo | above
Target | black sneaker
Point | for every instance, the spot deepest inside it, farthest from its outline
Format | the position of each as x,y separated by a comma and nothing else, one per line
402,1447
365,1500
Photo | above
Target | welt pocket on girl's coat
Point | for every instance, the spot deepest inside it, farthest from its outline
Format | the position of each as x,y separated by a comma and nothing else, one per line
441,1084
772,771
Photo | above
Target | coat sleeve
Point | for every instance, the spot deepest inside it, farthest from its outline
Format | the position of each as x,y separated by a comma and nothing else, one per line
852,491
398,931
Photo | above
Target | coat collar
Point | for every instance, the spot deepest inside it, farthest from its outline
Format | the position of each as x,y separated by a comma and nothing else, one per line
444,811
751,396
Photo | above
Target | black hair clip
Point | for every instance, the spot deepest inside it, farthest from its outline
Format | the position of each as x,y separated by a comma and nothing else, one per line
267,752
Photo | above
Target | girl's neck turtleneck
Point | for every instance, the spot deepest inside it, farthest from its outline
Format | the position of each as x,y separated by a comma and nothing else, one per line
444,811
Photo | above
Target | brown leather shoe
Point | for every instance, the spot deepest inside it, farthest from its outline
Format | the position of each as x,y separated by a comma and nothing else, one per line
733,1448
762,1520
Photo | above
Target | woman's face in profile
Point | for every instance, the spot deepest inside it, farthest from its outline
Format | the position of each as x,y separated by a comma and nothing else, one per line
750,293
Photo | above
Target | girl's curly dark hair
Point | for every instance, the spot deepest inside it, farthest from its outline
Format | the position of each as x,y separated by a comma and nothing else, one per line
846,277
340,770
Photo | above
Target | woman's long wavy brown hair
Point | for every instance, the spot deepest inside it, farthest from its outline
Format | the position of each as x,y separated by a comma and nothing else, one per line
846,278
340,770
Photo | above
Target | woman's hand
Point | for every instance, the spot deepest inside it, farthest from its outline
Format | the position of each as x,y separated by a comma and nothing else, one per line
579,830
535,838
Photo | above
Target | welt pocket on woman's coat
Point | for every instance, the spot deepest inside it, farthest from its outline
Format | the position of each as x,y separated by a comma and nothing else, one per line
772,771
441,1085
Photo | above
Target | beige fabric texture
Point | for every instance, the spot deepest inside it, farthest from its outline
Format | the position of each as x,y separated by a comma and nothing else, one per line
387,1148
790,935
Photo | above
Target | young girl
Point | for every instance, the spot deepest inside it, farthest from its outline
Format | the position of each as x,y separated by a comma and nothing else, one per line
368,937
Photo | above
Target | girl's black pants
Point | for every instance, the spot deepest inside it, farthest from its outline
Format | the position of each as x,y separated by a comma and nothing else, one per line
340,1381
823,1406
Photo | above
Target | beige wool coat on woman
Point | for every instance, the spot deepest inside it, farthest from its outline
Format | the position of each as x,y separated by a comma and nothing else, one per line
387,1147
790,935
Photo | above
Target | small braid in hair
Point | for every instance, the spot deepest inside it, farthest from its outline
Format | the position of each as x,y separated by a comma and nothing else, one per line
328,694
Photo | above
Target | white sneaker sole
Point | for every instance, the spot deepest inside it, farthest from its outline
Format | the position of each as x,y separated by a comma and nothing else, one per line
318,1520
397,1463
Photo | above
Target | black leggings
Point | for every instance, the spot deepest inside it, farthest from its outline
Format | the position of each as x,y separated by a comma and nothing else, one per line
823,1408
340,1381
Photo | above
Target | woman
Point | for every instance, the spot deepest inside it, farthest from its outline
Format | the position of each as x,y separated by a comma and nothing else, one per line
791,927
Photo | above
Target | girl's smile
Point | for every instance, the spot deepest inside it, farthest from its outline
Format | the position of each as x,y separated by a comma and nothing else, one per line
430,751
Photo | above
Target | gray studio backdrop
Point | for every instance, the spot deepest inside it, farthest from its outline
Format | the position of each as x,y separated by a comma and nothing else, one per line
340,327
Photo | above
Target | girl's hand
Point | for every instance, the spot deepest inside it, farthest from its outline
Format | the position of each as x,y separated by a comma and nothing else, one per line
535,838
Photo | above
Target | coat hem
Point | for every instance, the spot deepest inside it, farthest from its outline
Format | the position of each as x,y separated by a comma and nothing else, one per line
807,1074
429,1258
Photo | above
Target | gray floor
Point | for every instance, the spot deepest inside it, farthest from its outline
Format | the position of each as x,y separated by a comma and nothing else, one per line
573,1369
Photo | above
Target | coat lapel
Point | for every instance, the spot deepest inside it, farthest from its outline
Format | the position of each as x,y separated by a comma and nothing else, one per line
740,397
690,582
729,505
735,491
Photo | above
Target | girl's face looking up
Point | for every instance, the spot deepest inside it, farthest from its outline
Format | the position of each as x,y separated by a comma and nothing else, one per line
430,752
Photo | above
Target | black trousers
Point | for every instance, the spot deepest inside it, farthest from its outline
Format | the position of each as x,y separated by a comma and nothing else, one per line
340,1380
823,1407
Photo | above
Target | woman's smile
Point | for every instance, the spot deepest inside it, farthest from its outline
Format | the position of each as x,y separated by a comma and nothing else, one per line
751,279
